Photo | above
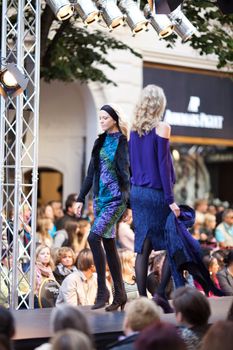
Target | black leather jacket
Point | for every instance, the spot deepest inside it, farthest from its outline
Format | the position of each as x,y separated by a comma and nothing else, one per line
121,164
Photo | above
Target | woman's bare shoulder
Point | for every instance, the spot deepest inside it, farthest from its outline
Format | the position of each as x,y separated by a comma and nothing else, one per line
163,129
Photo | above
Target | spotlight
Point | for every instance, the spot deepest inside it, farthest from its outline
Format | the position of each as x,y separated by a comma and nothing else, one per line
12,81
182,26
111,13
61,8
161,23
87,11
134,16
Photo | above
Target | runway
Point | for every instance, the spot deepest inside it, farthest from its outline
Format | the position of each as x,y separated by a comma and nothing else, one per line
33,328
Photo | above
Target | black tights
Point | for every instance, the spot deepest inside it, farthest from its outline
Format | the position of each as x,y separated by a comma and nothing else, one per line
141,269
95,242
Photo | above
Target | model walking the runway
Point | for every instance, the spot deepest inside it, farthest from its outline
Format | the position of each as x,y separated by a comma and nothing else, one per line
152,181
108,173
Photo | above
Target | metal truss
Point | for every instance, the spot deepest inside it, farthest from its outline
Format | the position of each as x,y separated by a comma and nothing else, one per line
20,43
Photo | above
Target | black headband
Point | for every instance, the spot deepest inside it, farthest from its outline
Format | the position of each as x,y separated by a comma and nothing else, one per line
110,111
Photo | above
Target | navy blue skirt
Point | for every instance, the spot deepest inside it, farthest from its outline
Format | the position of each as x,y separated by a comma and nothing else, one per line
150,212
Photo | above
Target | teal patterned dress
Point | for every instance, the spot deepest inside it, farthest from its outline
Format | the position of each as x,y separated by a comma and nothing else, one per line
108,205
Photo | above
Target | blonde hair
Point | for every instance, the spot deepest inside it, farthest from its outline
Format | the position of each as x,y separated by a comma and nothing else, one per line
126,256
123,125
149,110
71,339
39,249
140,313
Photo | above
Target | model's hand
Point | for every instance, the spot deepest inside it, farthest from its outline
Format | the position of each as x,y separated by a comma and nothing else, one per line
79,208
175,209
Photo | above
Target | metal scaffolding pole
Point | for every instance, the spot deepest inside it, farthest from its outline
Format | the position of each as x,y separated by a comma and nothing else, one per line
19,125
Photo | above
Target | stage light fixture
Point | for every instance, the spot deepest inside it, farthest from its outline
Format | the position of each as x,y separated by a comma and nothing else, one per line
62,9
134,17
12,81
182,26
161,23
110,12
87,11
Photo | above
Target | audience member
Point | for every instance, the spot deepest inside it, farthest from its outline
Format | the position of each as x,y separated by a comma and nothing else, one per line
70,339
70,211
127,259
224,231
201,206
125,234
139,314
67,317
65,263
43,236
43,269
160,336
7,328
225,276
57,209
192,312
219,336
80,287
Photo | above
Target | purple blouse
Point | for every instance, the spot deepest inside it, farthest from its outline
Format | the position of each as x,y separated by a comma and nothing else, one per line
151,163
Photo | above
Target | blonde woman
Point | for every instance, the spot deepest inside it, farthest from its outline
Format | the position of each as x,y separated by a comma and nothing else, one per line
108,173
127,259
152,182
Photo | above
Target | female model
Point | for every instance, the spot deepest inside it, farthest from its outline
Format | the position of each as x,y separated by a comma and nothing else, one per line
108,173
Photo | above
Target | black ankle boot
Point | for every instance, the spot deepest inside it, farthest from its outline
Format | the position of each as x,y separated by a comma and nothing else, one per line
101,300
117,303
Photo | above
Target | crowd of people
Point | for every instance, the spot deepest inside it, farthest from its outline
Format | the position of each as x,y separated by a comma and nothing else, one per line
89,254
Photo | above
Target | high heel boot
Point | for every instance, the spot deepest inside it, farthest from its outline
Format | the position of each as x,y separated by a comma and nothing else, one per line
101,300
117,303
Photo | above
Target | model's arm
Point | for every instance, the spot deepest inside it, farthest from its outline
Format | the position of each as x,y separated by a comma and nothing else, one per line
163,131
86,186
123,164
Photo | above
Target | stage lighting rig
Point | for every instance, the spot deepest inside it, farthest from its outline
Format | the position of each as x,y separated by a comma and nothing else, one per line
161,23
134,17
62,9
182,26
87,11
12,81
111,13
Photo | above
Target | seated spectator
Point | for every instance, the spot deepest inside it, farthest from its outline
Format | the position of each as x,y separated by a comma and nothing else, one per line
77,235
225,276
70,212
7,328
57,209
43,269
224,231
207,237
80,287
65,263
125,234
201,206
160,336
219,336
192,312
46,211
127,259
139,314
44,227
70,339
67,317
212,266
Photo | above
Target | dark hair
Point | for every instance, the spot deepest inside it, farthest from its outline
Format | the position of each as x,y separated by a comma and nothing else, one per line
160,336
7,323
72,198
228,258
85,259
219,336
193,305
68,316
